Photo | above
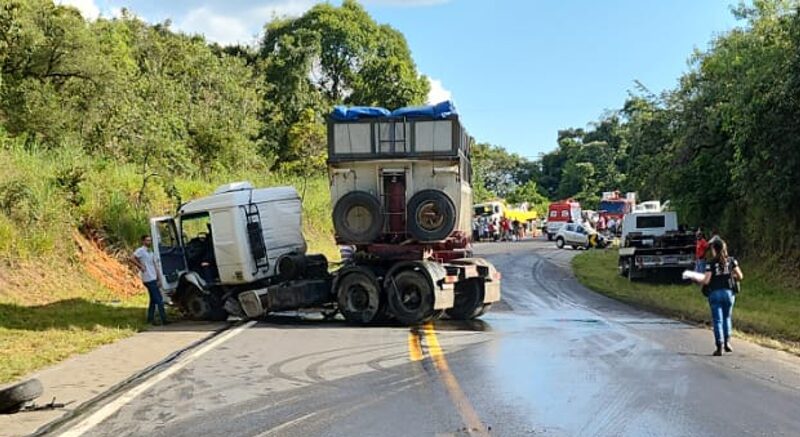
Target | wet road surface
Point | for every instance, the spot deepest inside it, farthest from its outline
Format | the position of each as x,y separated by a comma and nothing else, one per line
551,359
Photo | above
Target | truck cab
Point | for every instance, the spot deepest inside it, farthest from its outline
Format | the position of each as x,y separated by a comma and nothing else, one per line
230,240
653,243
561,213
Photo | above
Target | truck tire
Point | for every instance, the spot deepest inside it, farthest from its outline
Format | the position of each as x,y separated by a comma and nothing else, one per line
468,300
560,243
200,306
410,297
549,236
357,218
358,295
430,216
13,398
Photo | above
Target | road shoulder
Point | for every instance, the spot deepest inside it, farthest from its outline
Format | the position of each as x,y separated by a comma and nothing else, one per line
82,378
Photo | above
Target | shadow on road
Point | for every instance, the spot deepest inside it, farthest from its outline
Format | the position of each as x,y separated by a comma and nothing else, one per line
82,314
293,321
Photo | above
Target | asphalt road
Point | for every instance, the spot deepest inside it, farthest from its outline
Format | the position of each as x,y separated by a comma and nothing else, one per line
551,359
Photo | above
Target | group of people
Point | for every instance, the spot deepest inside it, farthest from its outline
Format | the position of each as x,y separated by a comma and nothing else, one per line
720,283
612,225
488,229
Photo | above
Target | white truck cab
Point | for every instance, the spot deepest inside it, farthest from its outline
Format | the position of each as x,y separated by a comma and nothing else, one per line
653,224
234,236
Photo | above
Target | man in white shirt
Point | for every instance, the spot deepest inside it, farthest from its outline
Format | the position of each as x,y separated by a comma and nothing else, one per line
144,259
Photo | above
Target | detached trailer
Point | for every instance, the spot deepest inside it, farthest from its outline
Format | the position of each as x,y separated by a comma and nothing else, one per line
241,251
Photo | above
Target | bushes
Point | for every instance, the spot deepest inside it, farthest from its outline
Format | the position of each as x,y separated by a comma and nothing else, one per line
46,196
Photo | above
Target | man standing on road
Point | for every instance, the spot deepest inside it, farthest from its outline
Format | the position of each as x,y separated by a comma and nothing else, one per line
700,252
144,259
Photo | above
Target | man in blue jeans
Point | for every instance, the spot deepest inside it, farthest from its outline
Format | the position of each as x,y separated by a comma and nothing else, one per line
144,259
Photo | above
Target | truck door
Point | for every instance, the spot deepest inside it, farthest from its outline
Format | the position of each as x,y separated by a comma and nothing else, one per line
168,250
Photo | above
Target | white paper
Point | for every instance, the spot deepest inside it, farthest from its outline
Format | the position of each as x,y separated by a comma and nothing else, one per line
694,276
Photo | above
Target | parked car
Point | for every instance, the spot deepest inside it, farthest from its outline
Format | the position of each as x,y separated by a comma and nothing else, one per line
579,235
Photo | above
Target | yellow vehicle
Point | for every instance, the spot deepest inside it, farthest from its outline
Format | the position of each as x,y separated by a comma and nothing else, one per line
496,210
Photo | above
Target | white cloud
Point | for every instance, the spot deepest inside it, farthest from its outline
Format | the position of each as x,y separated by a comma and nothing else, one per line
88,8
216,27
438,92
241,27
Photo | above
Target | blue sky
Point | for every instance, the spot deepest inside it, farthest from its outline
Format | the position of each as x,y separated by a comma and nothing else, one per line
518,70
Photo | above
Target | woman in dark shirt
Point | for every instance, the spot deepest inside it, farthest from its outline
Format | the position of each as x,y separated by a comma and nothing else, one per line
720,272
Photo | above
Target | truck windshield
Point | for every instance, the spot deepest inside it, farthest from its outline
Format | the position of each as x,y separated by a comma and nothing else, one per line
657,221
613,207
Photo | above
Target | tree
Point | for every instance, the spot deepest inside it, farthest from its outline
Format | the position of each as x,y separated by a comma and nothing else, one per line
332,55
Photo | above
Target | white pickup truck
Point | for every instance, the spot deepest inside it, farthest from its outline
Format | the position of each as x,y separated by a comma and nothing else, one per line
652,242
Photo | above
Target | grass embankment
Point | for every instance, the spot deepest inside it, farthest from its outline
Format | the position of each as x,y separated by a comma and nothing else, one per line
62,294
767,308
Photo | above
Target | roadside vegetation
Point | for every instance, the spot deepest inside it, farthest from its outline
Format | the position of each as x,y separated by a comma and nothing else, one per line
768,306
106,123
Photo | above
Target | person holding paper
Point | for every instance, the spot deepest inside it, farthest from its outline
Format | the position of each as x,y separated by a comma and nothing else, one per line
720,273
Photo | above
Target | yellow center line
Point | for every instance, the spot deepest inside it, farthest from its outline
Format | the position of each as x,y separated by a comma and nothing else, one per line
468,414
414,347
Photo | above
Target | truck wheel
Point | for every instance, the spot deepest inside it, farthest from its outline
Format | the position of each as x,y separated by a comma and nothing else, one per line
431,216
549,236
13,398
197,305
410,297
468,300
359,297
560,243
357,218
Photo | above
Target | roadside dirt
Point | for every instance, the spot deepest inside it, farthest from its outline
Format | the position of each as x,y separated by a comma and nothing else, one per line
105,268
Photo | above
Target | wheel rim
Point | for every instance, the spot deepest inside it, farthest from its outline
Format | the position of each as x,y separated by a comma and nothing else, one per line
411,297
429,216
357,299
358,219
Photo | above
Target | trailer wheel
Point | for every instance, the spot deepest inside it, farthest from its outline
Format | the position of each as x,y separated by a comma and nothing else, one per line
431,216
197,305
468,300
357,218
358,295
13,398
411,297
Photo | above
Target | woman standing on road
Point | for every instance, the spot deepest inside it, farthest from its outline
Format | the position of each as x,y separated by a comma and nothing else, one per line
720,276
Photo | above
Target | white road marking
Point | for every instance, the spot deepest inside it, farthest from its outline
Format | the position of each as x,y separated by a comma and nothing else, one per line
114,406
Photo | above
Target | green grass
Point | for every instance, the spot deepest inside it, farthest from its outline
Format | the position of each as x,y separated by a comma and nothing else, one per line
765,307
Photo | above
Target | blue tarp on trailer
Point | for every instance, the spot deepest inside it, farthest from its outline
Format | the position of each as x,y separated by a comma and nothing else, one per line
439,110
352,113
